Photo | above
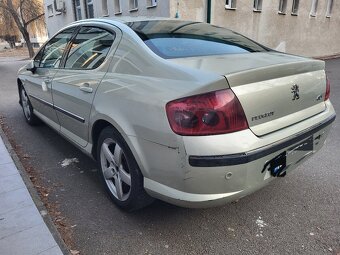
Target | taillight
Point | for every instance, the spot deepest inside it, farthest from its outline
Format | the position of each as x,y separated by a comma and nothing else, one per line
328,89
217,112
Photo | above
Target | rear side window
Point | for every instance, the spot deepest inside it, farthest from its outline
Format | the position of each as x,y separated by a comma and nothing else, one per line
89,48
180,39
50,56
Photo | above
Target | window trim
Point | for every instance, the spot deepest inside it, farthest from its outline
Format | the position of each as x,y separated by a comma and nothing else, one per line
152,5
76,8
314,8
295,6
120,7
65,55
135,7
43,47
105,12
282,7
230,4
329,8
87,4
257,6
48,11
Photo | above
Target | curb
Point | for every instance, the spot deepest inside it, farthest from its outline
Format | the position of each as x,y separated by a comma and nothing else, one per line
35,196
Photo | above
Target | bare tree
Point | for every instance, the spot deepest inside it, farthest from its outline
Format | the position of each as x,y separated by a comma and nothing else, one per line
8,31
23,13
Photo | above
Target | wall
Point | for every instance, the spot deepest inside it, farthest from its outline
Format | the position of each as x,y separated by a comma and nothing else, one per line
302,34
58,20
189,9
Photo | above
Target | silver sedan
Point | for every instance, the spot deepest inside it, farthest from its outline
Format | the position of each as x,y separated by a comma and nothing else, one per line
186,112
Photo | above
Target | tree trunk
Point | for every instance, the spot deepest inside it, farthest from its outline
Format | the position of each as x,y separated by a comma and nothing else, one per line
28,43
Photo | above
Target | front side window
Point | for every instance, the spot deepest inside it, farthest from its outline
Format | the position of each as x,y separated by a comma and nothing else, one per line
180,39
90,10
50,56
89,48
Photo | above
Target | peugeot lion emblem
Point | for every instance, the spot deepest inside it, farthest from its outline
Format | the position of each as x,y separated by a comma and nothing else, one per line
296,92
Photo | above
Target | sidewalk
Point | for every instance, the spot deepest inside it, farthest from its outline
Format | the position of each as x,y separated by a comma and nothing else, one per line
22,228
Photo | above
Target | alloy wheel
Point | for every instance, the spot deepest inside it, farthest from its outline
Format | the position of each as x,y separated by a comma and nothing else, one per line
115,169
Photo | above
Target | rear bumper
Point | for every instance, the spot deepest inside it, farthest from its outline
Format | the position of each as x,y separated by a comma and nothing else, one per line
207,181
246,157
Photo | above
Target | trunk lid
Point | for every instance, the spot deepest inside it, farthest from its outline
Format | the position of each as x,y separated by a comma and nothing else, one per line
275,90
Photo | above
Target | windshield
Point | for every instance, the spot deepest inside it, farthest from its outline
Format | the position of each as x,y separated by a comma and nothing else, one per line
180,39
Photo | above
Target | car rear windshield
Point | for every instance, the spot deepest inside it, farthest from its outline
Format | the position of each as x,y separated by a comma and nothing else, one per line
180,39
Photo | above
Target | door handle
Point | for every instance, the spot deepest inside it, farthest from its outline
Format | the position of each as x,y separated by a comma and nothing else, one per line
86,88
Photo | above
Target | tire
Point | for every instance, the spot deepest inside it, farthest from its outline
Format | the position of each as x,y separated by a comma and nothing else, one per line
27,108
120,173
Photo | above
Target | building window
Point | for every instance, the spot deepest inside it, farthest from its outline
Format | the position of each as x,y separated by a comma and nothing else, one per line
151,3
105,10
133,5
314,8
77,8
295,7
329,8
50,10
282,6
230,4
89,8
257,5
117,7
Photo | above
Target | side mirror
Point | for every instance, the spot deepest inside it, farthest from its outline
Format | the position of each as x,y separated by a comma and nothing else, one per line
30,66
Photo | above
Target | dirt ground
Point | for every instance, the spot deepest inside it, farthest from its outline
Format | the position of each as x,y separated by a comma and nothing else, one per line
19,52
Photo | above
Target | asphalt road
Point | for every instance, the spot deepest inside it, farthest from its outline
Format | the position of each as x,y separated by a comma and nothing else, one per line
298,214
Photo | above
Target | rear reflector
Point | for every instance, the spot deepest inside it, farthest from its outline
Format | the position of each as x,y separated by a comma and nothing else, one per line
217,112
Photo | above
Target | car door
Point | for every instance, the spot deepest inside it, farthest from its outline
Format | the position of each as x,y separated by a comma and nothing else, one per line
75,85
38,83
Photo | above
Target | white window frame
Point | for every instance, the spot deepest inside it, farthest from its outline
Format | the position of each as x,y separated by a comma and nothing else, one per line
151,3
329,8
282,7
105,9
295,7
133,5
314,8
77,8
257,6
50,12
230,4
117,5
89,3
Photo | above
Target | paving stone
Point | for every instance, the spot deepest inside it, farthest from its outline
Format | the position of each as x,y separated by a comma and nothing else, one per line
29,242
12,182
8,169
5,158
53,251
19,220
15,199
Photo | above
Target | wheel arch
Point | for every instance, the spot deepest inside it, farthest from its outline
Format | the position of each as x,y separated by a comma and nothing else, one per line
101,123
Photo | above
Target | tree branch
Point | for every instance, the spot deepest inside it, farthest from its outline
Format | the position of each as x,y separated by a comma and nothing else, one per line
35,18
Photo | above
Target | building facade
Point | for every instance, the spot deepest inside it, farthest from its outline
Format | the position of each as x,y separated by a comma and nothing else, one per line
309,27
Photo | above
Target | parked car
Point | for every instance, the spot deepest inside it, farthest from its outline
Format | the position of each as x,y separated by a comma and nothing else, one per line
186,112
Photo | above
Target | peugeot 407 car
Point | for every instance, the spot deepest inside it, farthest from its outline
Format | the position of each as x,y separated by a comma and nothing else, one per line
186,112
